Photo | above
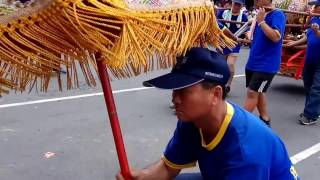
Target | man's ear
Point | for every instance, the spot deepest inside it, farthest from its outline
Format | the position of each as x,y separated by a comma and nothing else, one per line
217,93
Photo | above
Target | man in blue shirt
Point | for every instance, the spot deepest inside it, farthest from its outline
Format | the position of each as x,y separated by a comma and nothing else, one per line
228,142
311,72
233,14
265,57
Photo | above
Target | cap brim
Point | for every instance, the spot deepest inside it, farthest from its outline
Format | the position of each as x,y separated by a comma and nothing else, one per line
314,3
173,81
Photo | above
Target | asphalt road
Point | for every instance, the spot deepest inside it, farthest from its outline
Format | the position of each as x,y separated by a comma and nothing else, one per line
71,139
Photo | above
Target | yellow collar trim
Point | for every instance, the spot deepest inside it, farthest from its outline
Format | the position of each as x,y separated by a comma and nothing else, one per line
222,130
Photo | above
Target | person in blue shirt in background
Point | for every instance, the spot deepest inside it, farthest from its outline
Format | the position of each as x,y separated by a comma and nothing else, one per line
228,142
265,57
311,71
234,14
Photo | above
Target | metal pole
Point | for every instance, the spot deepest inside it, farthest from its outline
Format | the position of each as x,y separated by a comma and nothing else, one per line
287,25
113,116
285,11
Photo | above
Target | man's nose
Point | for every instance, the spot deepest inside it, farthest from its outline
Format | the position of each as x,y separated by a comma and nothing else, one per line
176,97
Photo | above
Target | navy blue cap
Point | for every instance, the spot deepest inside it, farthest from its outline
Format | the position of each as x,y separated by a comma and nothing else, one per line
242,2
314,2
197,65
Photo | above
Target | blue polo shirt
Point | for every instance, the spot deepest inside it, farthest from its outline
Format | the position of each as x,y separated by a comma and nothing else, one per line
313,54
265,55
233,28
243,149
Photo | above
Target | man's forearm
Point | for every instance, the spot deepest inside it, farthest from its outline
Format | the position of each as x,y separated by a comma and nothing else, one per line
229,34
301,41
159,171
272,34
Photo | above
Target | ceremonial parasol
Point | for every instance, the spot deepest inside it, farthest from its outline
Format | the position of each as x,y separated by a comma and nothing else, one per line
124,37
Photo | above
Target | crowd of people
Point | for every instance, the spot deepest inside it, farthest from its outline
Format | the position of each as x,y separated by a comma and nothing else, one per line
265,56
10,6
226,140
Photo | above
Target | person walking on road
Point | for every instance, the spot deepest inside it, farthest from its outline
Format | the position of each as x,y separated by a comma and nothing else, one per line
233,14
222,137
311,71
265,56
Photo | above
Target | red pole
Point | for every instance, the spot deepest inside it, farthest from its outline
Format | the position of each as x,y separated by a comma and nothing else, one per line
113,116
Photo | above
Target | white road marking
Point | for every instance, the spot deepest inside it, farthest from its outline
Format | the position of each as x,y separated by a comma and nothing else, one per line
305,154
2,106
295,159
68,98
7,130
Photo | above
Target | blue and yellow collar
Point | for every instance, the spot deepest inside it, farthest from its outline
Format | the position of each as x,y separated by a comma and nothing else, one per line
222,130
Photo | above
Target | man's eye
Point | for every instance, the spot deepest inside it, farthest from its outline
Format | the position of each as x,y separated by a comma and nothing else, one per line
187,92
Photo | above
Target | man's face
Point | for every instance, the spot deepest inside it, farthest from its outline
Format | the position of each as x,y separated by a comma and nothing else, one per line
193,103
316,9
227,5
260,3
236,7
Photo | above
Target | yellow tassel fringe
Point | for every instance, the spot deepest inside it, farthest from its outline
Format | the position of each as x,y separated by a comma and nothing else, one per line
132,40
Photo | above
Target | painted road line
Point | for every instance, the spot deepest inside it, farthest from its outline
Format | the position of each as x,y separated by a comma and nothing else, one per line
295,159
69,98
79,96
305,154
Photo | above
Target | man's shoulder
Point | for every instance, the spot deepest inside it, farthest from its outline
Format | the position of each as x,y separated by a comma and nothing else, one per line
244,15
277,13
220,13
312,21
245,123
240,113
315,20
247,132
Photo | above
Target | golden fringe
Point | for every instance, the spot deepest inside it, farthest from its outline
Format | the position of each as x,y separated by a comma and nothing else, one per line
132,40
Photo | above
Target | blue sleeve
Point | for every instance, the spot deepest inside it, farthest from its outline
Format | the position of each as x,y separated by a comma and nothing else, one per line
309,30
181,149
219,16
312,20
245,172
244,18
279,22
221,26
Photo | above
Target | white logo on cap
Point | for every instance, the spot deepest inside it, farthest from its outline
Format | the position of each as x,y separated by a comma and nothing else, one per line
214,75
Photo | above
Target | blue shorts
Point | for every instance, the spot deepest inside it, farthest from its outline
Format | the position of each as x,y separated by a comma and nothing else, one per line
234,51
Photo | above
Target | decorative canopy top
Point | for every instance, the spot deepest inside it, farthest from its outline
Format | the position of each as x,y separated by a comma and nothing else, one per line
133,36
